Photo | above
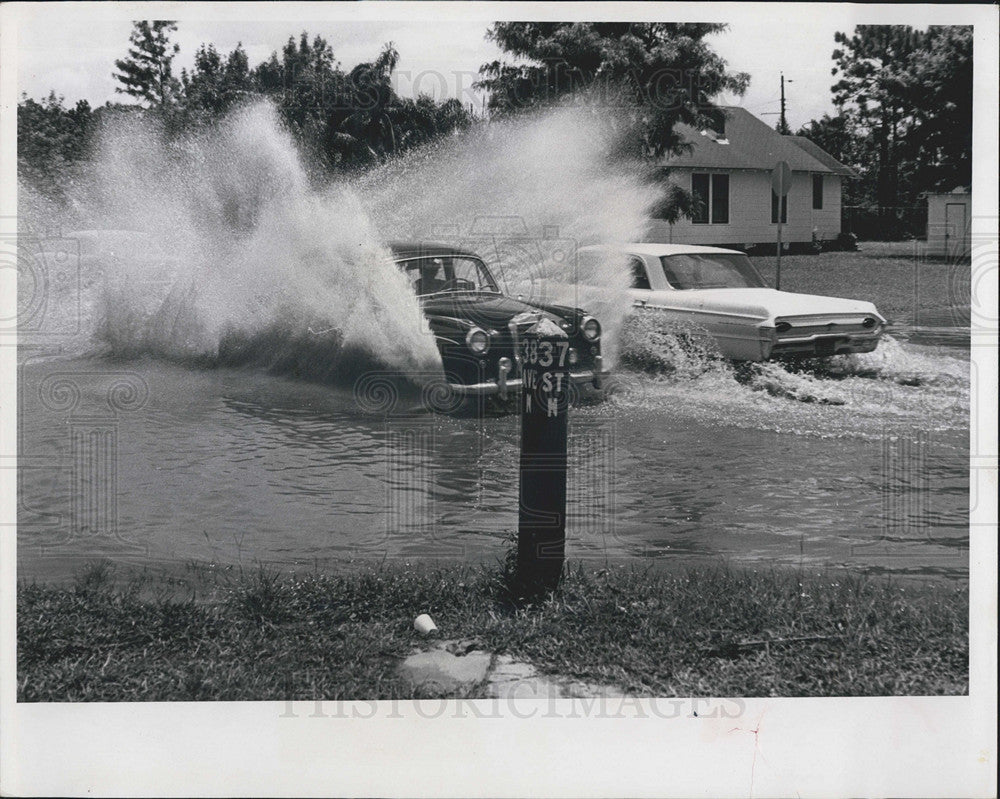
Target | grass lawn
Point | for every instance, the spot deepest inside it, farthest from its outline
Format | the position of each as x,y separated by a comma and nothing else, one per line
903,285
719,632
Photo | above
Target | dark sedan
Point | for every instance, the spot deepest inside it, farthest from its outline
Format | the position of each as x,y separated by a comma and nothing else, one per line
477,327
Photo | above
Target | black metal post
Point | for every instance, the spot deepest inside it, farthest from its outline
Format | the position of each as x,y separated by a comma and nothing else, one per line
541,537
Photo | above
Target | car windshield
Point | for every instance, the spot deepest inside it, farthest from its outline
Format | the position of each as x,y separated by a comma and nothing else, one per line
434,274
716,270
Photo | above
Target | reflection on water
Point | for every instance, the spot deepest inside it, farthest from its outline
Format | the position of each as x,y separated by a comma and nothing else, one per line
235,466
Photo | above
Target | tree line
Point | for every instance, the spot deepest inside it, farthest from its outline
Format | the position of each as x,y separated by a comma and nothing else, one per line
342,120
903,100
641,79
903,121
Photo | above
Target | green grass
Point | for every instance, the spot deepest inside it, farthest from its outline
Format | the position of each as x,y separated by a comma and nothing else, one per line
889,274
267,636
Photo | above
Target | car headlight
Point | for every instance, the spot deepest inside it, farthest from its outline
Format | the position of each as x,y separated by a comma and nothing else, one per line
869,323
477,340
591,328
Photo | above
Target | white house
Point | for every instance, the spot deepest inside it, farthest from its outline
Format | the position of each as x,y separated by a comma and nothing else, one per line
948,217
728,173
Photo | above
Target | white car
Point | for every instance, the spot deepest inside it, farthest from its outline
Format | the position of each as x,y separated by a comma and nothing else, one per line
722,293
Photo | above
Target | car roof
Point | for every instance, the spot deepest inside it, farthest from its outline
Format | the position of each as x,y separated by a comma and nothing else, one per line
422,249
657,250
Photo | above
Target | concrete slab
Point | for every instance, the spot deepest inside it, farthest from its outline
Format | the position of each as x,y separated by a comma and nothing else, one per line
513,679
458,665
441,670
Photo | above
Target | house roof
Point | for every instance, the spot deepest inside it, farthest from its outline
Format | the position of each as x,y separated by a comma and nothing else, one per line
959,190
823,156
750,143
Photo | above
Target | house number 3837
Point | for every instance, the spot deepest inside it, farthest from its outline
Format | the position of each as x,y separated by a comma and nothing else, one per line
544,353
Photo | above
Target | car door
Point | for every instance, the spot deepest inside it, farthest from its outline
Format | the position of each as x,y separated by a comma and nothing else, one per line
651,293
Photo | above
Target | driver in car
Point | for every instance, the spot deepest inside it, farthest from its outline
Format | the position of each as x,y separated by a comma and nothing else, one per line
428,282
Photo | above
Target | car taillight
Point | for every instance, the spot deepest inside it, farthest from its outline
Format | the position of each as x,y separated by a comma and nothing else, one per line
783,327
477,340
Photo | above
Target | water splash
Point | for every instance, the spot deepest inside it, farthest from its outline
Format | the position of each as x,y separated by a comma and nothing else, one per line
657,346
899,387
780,381
239,256
525,194
245,260
254,259
898,363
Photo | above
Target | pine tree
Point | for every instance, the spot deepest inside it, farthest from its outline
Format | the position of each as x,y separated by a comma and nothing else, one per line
146,73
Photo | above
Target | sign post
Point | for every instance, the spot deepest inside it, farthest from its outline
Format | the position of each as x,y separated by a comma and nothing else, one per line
541,533
781,182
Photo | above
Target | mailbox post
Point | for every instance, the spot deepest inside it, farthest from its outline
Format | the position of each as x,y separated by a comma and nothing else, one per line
541,535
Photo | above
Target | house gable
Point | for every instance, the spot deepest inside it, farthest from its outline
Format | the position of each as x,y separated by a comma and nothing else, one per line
750,143
823,156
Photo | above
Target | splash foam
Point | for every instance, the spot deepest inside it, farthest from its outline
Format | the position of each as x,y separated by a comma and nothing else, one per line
237,245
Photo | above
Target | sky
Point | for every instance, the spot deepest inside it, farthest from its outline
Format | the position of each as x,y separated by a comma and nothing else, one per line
441,58
61,52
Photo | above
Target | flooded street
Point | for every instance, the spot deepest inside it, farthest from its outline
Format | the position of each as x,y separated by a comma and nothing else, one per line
188,394
862,463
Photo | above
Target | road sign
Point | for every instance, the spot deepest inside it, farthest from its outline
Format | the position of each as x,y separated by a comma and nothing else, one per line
781,182
781,178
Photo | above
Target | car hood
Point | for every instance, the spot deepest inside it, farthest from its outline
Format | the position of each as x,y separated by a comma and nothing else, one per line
485,310
761,303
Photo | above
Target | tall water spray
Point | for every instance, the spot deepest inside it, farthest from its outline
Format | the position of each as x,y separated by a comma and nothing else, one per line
256,263
527,194
237,246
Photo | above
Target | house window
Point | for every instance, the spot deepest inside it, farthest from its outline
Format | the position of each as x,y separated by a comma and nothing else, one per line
699,198
720,199
710,199
818,192
774,208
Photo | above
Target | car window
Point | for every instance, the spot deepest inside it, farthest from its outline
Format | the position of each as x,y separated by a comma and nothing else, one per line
711,271
434,274
639,277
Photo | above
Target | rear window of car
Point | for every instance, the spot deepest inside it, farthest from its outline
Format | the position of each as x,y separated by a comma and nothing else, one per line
711,271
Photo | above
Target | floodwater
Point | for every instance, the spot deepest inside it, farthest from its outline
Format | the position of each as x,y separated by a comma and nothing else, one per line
139,442
149,462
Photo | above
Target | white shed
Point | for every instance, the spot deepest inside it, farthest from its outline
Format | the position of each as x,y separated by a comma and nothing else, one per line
948,217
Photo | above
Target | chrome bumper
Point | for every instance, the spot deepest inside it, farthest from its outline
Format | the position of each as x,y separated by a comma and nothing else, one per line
818,345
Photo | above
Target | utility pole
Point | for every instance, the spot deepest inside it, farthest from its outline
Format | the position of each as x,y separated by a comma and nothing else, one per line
782,121
782,126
